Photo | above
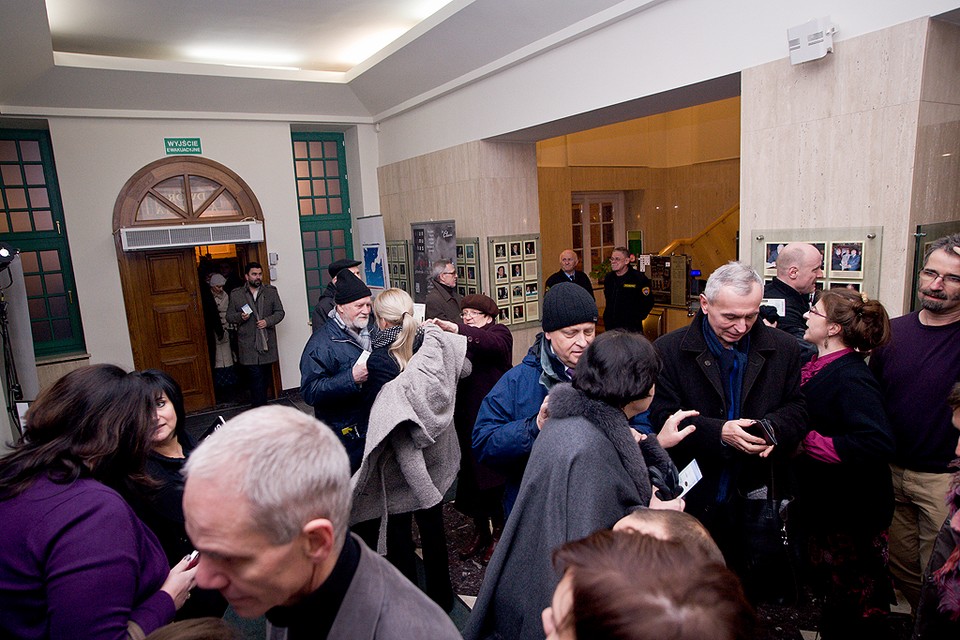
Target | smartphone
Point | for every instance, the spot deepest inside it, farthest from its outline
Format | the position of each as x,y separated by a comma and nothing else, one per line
764,429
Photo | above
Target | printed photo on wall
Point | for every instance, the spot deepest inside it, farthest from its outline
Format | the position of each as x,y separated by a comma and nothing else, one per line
502,273
531,290
846,260
837,284
517,312
460,272
459,252
503,294
771,251
471,274
516,271
471,291
517,292
514,249
500,252
504,316
530,248
469,253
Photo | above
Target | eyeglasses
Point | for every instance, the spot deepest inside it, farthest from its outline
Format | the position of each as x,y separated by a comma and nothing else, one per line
931,276
817,313
449,273
466,315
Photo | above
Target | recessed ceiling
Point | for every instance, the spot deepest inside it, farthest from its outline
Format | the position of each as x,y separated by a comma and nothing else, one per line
324,39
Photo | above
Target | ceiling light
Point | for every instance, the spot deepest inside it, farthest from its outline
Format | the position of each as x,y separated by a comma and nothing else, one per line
244,57
365,46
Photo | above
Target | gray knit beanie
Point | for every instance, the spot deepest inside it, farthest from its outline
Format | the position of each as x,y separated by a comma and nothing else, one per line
567,304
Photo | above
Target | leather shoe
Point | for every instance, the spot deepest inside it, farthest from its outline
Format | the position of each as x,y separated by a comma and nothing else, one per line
478,544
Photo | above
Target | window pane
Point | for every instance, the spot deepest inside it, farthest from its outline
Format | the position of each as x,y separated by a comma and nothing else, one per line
313,279
310,260
152,209
323,239
577,213
39,199
306,207
223,206
4,223
30,150
330,149
309,240
41,331
11,175
173,190
302,168
321,206
577,237
608,234
333,187
316,169
335,205
325,257
37,308
8,151
303,188
299,149
16,198
607,212
333,168
54,282
316,150
43,220
58,306
34,174
337,237
30,261
33,285
595,235
594,212
20,221
201,190
319,188
339,254
50,260
62,329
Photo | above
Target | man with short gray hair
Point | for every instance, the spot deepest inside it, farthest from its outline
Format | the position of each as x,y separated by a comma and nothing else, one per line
443,299
266,503
734,371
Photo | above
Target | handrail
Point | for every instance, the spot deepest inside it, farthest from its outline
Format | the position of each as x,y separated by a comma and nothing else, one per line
672,247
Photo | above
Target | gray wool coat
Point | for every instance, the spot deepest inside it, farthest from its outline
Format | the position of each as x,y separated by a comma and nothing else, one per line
266,307
412,455
585,473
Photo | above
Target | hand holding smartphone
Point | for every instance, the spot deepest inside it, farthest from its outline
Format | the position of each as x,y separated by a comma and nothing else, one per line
764,429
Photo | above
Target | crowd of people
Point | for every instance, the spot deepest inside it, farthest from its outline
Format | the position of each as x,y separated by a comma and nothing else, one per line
617,488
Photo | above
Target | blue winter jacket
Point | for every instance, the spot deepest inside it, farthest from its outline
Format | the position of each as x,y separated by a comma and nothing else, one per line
506,424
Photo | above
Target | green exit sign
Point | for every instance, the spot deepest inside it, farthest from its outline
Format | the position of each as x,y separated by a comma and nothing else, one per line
182,146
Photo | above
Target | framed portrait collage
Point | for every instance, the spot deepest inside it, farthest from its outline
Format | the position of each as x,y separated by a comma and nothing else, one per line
850,255
514,263
468,266
398,260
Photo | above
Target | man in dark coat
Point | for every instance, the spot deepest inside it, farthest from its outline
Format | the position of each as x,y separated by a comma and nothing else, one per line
513,413
332,371
325,302
799,265
734,371
628,294
443,300
569,273
256,309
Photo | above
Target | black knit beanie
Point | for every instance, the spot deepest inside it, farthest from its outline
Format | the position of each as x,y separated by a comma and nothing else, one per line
567,304
350,288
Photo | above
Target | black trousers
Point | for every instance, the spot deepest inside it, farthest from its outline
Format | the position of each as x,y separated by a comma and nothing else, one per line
258,377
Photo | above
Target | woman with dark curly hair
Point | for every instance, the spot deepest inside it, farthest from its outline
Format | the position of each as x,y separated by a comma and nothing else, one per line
76,561
845,500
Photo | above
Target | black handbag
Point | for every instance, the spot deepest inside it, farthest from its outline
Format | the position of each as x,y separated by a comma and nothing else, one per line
769,553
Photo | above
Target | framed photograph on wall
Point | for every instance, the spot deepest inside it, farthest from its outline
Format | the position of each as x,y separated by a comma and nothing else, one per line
516,293
471,291
515,250
518,313
846,260
470,254
503,295
504,316
471,273
530,249
531,290
500,252
460,272
771,251
459,252
839,284
501,273
516,271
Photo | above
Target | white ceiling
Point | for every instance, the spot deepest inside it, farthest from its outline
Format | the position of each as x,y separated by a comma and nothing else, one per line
130,56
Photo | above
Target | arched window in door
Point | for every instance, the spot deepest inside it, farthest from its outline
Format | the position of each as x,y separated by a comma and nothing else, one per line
184,190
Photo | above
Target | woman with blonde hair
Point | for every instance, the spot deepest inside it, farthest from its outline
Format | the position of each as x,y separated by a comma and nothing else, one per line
399,338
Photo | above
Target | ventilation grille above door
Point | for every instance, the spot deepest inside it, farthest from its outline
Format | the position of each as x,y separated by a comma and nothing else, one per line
139,238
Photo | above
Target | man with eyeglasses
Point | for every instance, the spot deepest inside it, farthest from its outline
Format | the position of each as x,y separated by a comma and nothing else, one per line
443,300
627,292
916,371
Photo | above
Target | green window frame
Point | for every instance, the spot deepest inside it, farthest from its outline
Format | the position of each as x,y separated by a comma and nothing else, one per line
31,220
320,168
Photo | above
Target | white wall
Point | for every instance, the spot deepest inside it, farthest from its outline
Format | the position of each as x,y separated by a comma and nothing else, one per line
94,159
668,45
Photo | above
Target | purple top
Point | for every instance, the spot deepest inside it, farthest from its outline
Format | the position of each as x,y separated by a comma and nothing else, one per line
916,371
77,563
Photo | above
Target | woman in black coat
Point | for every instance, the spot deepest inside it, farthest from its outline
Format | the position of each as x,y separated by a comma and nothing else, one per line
846,496
490,351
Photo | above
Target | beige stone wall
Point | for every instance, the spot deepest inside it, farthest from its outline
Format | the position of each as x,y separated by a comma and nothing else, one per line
490,189
853,140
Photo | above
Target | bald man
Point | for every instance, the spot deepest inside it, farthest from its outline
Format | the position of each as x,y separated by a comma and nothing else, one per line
799,266
568,272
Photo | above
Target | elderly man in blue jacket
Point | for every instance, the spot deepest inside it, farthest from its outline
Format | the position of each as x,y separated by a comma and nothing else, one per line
514,411
332,371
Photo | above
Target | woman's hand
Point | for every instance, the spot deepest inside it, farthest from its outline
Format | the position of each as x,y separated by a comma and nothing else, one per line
446,325
671,434
180,580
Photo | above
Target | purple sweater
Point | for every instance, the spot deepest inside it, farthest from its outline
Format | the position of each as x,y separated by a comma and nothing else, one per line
76,562
916,371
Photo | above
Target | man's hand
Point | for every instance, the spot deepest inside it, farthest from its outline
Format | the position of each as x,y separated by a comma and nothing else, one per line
677,504
360,372
670,435
544,413
244,316
261,324
733,435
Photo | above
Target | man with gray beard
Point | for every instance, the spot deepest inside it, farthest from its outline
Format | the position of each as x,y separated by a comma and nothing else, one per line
333,365
916,371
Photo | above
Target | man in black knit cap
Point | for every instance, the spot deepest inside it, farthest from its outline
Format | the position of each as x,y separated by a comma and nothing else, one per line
513,413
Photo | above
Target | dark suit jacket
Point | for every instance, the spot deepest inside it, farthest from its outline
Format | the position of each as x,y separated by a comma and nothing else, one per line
690,379
579,277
